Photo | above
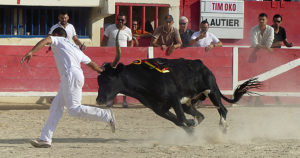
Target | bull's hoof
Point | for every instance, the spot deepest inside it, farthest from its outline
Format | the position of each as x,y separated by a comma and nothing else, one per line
190,123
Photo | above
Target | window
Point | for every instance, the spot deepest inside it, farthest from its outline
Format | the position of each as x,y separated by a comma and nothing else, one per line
27,22
145,13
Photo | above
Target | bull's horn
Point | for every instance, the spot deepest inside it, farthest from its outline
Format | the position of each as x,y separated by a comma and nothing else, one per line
118,52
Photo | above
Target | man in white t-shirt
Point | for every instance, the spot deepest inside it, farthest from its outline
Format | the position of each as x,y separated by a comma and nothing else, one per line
125,40
63,18
68,58
262,35
110,33
203,38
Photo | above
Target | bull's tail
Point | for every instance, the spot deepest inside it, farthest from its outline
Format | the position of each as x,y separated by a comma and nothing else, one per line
243,89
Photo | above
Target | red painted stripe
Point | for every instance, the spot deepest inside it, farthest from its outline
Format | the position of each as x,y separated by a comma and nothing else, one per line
18,1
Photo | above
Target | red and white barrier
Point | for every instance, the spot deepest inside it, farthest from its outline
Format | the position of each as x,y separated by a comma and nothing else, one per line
231,65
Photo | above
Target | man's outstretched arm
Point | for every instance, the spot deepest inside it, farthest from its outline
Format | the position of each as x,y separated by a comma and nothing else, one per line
38,46
95,67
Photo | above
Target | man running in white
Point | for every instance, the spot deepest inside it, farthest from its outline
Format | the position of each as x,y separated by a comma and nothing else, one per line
68,58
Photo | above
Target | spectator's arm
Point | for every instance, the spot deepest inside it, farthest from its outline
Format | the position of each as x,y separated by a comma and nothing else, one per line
135,41
130,43
76,40
154,38
254,39
104,41
276,44
218,44
216,41
270,38
288,44
193,41
154,42
146,35
195,38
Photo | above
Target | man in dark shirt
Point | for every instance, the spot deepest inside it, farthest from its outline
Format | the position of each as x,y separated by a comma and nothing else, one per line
279,33
185,33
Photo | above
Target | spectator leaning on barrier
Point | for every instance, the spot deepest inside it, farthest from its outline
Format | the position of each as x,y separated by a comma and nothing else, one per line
63,18
185,33
167,36
203,38
125,39
137,32
279,33
262,35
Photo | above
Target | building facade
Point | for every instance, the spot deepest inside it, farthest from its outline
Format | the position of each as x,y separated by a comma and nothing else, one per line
25,22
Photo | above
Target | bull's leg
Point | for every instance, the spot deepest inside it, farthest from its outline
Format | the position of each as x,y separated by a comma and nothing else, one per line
216,100
169,116
180,114
165,113
194,112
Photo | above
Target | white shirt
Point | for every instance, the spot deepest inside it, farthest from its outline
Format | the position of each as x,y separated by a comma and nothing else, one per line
266,39
206,41
67,55
124,36
69,29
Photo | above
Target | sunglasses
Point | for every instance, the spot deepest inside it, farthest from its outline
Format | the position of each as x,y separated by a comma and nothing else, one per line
134,24
122,20
182,23
277,21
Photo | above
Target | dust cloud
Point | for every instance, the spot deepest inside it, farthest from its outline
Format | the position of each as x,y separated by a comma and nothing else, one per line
247,125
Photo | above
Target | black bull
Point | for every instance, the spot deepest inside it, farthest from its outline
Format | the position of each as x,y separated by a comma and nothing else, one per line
187,82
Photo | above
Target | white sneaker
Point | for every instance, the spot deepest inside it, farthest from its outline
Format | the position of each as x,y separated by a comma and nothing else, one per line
38,143
112,122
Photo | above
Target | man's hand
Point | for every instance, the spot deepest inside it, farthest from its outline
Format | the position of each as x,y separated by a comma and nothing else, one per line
209,47
26,57
259,46
202,35
290,44
164,47
170,50
82,47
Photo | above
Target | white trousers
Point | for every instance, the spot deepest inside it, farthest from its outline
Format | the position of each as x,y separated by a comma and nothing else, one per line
69,96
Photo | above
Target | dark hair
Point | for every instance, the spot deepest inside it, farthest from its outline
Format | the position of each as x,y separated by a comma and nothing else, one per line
277,16
137,20
63,13
205,22
263,15
60,31
122,14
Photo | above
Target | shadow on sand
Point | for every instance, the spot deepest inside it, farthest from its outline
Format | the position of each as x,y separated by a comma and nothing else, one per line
70,140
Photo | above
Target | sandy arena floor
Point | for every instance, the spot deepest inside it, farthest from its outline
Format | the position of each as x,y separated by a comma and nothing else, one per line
254,132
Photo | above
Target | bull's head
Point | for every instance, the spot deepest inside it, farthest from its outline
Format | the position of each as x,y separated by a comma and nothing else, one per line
109,81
